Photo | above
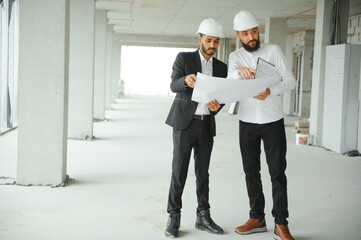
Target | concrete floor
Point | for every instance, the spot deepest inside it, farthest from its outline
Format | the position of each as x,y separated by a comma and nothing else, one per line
121,181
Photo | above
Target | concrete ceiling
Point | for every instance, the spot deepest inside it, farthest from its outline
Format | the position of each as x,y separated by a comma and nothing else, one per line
182,17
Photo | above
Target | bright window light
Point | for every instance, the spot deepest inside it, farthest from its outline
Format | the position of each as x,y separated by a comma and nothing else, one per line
147,70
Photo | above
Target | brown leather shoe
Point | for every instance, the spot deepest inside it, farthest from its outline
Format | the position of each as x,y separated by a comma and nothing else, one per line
253,225
282,232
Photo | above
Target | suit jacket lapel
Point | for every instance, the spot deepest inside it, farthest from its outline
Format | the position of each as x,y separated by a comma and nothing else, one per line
198,61
214,62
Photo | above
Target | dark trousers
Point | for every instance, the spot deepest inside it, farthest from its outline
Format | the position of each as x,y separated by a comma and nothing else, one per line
196,136
275,146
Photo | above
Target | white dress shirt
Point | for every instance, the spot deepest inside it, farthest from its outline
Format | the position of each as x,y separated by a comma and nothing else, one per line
271,109
207,69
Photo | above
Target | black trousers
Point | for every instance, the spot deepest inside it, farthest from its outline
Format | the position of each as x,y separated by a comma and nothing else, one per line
196,136
275,146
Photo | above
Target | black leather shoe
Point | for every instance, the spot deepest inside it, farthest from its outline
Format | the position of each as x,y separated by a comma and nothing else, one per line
173,225
204,222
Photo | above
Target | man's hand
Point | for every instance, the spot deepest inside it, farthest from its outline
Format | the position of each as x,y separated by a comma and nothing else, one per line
263,95
247,73
213,105
190,80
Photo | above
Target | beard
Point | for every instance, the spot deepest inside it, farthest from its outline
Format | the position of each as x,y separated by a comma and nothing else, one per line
207,51
249,48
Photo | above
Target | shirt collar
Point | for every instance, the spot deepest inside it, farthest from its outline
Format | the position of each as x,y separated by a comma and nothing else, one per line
203,59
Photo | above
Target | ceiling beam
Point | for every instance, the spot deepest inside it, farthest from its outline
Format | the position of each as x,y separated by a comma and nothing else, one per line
156,41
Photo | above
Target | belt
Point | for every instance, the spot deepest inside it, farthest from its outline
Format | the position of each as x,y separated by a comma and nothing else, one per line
201,117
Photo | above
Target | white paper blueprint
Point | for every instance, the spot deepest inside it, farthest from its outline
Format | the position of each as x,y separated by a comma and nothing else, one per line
226,90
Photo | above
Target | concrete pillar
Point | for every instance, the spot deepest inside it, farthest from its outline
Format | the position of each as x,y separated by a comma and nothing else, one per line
322,38
8,65
108,68
344,9
121,83
115,71
81,69
306,74
223,50
354,29
276,32
238,43
4,51
43,91
287,96
100,64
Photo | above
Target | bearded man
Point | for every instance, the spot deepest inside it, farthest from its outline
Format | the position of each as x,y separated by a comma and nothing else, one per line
261,119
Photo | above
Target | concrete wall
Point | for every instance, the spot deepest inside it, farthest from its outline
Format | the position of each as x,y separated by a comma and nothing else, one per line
303,43
354,29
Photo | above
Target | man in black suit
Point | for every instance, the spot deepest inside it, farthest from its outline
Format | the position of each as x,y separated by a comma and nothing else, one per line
193,127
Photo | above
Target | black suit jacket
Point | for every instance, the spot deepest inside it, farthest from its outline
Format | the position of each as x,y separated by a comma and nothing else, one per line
183,108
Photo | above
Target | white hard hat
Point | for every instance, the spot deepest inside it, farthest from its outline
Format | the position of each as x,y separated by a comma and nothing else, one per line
244,20
211,27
